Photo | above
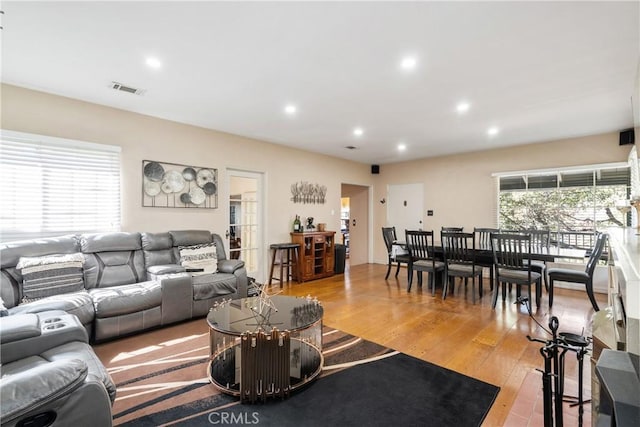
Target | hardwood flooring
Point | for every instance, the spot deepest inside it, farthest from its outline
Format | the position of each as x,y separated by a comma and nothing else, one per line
476,340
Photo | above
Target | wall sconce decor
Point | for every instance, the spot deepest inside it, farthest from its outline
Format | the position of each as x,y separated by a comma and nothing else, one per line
304,192
170,185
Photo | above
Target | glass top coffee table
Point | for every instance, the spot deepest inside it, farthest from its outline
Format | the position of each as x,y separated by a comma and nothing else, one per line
265,347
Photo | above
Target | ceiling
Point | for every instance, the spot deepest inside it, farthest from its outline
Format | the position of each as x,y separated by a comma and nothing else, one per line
536,71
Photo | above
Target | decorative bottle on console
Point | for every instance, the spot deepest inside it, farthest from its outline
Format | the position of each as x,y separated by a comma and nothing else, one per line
297,226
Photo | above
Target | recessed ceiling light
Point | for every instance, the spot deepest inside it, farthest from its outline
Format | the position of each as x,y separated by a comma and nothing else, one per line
358,131
408,63
290,109
463,107
402,147
493,131
153,62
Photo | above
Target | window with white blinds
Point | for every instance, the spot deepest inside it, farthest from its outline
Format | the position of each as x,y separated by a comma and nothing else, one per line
52,186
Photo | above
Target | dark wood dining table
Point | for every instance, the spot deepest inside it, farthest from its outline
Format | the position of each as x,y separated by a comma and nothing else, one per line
484,257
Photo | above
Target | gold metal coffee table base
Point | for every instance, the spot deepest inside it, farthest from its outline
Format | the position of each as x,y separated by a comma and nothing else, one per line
255,365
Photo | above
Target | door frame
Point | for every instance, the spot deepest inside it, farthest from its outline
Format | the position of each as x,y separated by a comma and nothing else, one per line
367,215
260,177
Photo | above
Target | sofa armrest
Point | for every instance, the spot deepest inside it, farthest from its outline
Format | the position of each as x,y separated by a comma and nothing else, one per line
30,334
229,265
237,268
154,272
27,391
19,327
177,297
242,281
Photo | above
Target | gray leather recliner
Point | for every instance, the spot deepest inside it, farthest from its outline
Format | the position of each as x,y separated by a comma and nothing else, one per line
50,375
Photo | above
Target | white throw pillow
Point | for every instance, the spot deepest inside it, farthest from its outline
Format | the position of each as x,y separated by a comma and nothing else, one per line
199,256
50,275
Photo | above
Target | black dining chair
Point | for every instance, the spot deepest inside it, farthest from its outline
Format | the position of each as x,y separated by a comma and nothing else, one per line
390,239
575,276
510,253
540,244
452,229
483,243
421,258
460,261
483,237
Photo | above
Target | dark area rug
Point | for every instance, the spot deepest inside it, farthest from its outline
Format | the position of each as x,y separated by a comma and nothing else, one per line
161,379
396,390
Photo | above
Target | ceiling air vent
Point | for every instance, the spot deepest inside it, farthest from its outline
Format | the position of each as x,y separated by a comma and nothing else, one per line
128,89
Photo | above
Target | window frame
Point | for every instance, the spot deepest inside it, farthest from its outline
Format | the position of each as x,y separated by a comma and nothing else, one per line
535,179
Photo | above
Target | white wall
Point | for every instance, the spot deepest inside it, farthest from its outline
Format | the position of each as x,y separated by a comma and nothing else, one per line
147,138
459,188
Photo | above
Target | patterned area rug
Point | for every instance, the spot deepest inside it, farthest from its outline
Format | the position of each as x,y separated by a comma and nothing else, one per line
161,378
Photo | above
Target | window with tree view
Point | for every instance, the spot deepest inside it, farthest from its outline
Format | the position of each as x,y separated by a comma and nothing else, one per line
585,200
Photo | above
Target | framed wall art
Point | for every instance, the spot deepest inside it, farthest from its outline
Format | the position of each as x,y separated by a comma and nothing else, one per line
170,185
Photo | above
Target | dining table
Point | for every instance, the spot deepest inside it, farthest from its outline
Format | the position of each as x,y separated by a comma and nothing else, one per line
484,256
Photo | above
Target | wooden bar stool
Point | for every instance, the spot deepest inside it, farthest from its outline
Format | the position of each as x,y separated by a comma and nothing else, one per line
286,256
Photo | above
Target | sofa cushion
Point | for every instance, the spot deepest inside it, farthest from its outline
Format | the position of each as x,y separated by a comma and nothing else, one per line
10,253
50,275
156,241
77,303
190,237
199,256
207,286
110,242
157,248
119,300
104,269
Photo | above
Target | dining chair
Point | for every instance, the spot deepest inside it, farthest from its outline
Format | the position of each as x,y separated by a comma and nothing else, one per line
575,276
576,239
540,244
390,239
421,258
460,261
483,237
483,243
510,253
453,229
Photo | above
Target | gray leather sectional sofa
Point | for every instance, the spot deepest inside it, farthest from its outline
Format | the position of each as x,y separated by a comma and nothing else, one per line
131,281
57,293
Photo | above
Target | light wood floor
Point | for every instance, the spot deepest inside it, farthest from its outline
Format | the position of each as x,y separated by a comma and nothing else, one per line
487,344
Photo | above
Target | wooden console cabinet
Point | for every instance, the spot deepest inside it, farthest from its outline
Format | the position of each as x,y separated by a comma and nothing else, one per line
316,258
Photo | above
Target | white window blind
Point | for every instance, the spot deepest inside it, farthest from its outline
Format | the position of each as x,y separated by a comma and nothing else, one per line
52,186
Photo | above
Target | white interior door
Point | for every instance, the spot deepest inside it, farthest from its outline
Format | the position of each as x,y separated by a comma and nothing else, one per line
358,226
246,220
405,207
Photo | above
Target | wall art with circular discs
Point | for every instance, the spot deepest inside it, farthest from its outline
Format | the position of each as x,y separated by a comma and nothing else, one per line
169,185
